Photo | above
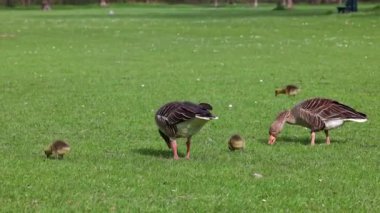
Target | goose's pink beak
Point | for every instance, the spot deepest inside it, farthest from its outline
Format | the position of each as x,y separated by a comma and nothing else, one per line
272,139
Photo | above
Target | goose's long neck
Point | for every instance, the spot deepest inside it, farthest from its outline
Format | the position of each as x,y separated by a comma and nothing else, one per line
290,119
279,123
277,126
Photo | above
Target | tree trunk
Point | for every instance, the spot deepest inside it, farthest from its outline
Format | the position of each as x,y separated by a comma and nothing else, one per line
103,3
289,4
216,3
9,3
45,5
255,3
25,3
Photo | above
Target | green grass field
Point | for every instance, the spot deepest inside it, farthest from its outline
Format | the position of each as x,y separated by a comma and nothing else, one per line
96,80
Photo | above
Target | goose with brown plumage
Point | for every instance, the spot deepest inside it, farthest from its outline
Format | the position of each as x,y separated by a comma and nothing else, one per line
182,120
317,114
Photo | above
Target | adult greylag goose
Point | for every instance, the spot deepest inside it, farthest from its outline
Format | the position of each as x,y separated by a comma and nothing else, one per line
316,114
182,120
290,90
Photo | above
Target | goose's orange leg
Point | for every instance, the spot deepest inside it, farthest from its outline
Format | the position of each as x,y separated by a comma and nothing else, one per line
174,148
188,143
312,138
327,137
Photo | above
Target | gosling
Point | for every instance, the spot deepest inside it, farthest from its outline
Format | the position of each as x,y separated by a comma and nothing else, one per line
290,90
236,142
57,149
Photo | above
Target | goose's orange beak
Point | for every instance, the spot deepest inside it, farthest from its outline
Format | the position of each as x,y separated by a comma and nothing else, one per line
272,139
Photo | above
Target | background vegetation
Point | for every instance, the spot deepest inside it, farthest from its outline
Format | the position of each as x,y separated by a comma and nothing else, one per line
95,79
29,3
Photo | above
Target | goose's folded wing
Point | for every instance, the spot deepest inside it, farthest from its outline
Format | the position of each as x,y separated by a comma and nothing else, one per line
310,118
180,114
335,110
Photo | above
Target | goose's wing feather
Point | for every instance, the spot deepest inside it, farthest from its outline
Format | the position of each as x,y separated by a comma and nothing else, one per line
317,111
337,110
308,118
177,112
172,118
181,114
328,109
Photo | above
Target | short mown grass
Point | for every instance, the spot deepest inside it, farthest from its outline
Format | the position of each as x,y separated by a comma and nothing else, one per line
95,80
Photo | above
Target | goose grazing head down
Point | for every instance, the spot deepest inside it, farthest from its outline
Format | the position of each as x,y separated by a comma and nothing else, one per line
277,126
182,120
316,114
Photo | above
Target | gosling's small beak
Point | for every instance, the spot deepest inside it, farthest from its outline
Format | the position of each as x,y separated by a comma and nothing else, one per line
272,139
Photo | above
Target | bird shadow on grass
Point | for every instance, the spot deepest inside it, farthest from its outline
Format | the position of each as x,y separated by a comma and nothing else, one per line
301,140
156,153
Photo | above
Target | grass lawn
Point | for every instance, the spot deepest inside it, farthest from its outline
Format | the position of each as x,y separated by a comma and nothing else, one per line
96,80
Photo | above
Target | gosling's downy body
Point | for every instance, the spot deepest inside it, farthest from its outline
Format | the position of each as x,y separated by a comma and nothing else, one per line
236,142
317,114
57,149
290,90
182,120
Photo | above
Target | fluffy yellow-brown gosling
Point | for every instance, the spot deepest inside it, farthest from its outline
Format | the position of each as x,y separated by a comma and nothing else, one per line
290,90
57,149
236,142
